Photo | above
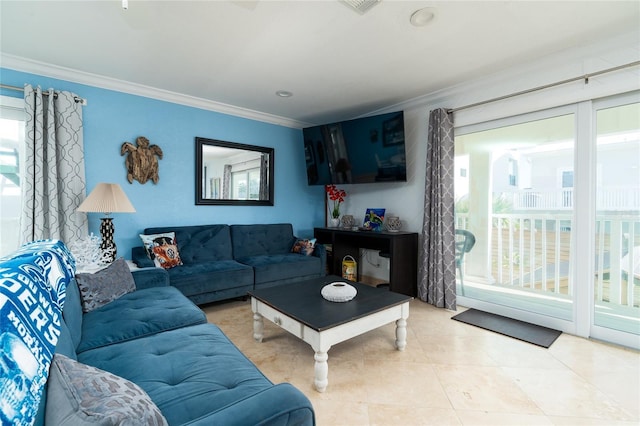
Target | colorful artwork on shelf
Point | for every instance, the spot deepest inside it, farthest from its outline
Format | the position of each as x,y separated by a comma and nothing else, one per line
373,219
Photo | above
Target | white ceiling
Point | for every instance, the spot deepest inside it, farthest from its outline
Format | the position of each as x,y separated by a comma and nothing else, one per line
338,64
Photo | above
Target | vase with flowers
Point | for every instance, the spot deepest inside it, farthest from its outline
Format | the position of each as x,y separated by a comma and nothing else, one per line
337,197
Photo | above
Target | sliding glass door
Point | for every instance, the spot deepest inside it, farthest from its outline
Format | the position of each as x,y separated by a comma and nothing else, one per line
617,222
514,192
553,200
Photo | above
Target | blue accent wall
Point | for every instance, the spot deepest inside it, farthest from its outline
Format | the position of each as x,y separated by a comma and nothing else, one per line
112,117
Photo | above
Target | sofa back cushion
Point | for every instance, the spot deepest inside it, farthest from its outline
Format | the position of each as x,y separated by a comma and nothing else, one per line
199,243
72,312
256,240
65,345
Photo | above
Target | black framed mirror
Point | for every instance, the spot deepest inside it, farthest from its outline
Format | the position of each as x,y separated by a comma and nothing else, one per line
229,173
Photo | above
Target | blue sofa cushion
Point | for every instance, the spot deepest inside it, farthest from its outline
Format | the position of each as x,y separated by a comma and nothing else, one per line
150,277
212,372
65,345
277,267
140,258
72,312
281,404
254,240
141,313
211,276
200,243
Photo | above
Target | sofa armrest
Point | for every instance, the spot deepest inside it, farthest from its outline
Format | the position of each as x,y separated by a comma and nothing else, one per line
150,277
279,405
321,252
140,258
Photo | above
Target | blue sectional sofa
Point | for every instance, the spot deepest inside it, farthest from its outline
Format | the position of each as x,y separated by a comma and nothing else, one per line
153,337
226,261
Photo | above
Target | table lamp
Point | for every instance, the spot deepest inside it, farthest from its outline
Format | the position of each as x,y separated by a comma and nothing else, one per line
107,198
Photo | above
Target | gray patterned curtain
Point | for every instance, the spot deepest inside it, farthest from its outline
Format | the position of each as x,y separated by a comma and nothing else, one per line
53,180
226,182
437,274
264,177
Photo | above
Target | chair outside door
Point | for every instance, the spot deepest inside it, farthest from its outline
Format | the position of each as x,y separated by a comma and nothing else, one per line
465,241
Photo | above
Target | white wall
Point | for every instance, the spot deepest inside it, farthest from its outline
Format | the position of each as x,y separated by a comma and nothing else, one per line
406,199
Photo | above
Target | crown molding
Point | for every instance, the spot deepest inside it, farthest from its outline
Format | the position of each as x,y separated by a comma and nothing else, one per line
567,63
53,71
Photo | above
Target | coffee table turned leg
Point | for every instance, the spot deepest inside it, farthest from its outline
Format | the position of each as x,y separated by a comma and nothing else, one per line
321,371
401,334
258,327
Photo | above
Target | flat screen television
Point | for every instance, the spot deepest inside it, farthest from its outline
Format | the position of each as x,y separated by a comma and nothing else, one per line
364,150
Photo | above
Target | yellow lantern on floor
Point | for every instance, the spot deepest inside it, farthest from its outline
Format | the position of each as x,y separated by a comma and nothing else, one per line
349,268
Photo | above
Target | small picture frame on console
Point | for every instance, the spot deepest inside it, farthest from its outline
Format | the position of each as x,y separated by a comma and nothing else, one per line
373,219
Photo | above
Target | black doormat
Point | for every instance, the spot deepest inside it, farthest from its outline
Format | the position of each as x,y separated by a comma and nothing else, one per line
531,333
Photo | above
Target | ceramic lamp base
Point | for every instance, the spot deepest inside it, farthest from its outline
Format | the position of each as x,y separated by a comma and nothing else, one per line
106,231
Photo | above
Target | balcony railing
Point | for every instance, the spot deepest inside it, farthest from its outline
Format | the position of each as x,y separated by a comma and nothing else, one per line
607,199
532,251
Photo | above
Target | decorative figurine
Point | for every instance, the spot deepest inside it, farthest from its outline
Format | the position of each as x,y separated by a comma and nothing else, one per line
141,161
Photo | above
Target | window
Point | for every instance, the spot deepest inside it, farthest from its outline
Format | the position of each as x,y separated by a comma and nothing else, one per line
11,154
245,184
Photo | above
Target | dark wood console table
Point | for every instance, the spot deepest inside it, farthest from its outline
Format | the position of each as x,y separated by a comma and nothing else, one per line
402,248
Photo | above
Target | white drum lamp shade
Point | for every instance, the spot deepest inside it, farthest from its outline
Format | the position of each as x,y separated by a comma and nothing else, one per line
107,198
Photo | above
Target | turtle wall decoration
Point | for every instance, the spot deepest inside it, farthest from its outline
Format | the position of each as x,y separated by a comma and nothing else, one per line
141,161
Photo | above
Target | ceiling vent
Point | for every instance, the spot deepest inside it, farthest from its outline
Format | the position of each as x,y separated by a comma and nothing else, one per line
360,6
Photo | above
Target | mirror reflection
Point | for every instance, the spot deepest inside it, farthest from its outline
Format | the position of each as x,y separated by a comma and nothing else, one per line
232,173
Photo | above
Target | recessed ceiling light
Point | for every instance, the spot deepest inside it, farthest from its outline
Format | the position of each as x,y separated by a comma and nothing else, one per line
284,94
422,17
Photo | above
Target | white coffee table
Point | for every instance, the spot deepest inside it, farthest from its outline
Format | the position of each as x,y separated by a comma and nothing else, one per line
300,309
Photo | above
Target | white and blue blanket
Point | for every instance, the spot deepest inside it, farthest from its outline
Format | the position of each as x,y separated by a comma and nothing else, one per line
33,281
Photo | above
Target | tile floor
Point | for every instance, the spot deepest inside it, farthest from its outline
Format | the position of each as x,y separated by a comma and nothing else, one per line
450,374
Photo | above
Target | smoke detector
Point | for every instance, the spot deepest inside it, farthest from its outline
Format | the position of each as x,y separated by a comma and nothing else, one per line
360,6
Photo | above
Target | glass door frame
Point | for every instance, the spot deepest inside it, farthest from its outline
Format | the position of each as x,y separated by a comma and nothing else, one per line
597,331
547,321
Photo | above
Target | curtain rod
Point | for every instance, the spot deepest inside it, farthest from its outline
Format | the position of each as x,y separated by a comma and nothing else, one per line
55,95
547,86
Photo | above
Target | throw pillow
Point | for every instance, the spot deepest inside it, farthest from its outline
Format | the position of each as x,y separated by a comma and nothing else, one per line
80,394
162,249
105,286
304,246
